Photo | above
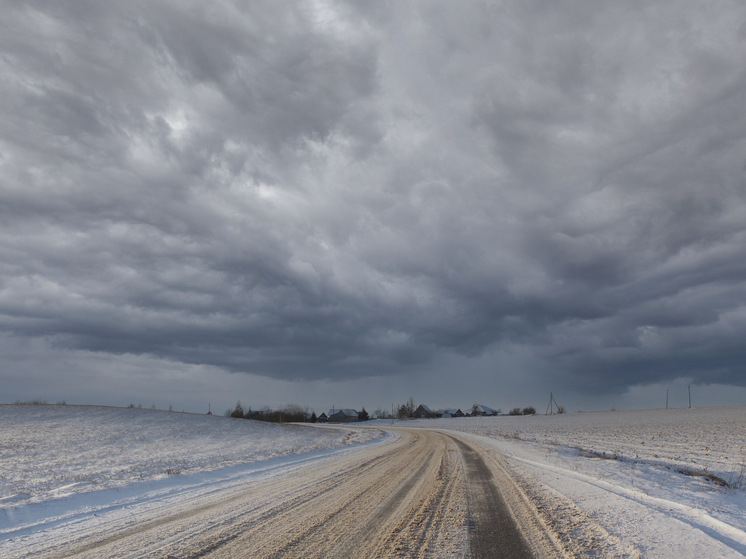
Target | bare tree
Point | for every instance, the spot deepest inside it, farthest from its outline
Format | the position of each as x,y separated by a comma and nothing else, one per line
405,411
381,414
237,411
411,406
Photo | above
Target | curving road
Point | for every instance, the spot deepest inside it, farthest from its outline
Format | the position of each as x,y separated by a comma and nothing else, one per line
424,494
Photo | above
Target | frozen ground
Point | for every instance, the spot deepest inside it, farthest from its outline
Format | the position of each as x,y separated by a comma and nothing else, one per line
660,483
47,452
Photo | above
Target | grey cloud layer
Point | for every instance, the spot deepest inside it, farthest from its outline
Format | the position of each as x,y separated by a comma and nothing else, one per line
330,190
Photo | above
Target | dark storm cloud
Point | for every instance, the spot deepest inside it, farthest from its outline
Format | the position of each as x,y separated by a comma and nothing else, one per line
335,190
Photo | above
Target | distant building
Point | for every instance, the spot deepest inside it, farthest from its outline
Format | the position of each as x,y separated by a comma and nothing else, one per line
343,416
423,412
449,412
322,418
484,411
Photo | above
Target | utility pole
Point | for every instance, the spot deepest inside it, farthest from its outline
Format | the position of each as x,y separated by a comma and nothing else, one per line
550,407
689,388
666,398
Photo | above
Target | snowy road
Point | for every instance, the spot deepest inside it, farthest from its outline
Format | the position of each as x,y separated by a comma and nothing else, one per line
416,494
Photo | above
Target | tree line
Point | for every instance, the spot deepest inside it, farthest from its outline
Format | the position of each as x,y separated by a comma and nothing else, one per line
290,413
298,414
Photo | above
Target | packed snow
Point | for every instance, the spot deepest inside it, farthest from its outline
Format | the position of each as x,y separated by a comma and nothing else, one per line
661,483
50,451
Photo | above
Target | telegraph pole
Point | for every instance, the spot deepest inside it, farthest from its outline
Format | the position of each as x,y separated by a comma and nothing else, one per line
550,407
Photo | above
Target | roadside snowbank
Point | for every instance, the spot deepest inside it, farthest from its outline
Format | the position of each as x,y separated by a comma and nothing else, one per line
50,451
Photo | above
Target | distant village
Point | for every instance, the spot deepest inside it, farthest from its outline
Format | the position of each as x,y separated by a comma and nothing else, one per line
297,414
422,411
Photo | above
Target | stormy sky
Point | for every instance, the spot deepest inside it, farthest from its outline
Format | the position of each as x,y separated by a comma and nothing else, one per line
348,203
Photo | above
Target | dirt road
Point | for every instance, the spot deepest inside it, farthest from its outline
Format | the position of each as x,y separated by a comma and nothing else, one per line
423,494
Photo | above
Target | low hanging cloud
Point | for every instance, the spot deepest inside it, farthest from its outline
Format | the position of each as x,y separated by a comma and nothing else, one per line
334,190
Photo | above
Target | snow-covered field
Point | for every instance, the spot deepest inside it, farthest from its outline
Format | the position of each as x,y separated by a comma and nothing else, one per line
47,452
661,483
708,441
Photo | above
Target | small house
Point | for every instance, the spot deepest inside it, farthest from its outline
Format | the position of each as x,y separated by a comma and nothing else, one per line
423,412
484,411
343,416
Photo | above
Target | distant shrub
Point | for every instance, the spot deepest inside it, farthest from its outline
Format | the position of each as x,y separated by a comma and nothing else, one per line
560,409
515,411
530,410
36,402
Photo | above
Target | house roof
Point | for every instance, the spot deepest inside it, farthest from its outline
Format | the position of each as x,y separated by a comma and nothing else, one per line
424,407
450,411
486,409
344,411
